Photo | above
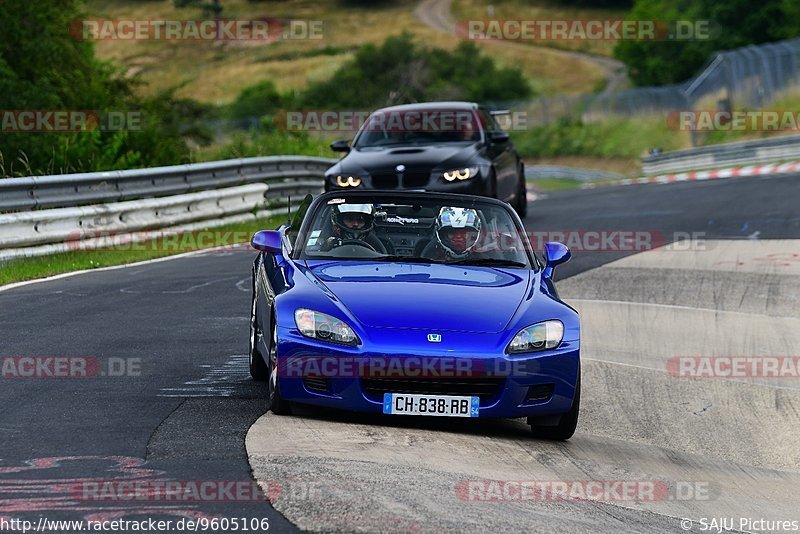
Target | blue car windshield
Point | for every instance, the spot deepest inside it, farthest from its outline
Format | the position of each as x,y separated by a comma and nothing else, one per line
414,230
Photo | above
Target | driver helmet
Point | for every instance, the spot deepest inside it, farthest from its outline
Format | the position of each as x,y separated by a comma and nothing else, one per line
353,221
458,230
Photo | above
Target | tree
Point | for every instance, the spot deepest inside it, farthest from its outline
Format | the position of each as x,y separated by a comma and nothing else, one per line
400,71
43,68
732,23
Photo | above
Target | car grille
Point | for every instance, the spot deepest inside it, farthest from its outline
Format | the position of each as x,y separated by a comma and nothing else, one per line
317,384
411,180
384,181
414,180
485,388
540,393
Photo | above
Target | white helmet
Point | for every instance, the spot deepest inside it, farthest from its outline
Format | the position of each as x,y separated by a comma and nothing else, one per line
449,221
365,211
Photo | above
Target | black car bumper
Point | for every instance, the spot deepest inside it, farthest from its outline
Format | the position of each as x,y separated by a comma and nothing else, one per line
478,185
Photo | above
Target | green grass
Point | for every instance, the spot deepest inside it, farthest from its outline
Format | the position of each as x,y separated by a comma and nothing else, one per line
613,138
31,268
555,184
256,144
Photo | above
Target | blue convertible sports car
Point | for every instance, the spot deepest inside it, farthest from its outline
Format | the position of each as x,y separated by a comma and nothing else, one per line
414,303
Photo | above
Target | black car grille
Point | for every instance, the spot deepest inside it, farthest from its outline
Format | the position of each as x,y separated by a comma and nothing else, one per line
385,181
318,384
540,393
411,180
485,388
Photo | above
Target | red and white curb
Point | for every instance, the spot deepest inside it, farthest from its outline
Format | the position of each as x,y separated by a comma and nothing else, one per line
752,170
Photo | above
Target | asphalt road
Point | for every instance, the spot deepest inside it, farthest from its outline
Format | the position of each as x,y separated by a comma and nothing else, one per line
186,404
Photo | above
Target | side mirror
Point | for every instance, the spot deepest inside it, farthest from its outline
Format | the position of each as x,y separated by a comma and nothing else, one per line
498,137
268,241
555,253
340,146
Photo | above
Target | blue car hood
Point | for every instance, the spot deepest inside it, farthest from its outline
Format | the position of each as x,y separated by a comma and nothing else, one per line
422,296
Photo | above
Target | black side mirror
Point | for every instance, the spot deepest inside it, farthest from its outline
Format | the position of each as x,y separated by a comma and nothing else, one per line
340,146
498,137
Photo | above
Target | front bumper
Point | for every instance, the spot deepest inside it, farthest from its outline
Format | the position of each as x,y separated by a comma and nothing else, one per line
478,185
351,378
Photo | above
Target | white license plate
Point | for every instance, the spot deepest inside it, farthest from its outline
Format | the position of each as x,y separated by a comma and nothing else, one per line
437,405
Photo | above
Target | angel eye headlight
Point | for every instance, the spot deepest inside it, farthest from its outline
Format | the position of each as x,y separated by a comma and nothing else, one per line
536,337
324,327
348,181
460,174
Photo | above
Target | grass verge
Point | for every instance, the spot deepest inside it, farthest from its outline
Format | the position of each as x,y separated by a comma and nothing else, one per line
555,184
22,269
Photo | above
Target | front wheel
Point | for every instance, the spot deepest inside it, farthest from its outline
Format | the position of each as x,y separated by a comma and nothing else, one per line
258,367
275,401
566,426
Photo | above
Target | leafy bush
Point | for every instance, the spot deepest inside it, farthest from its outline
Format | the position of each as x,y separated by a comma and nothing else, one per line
43,67
269,141
733,24
400,71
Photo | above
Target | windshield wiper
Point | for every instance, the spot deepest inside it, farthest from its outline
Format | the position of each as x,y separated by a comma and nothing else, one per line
488,262
404,259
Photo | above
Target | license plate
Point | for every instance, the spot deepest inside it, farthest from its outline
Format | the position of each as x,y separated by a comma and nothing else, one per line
437,405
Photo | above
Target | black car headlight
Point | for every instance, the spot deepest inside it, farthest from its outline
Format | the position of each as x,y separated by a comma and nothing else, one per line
464,173
536,337
323,327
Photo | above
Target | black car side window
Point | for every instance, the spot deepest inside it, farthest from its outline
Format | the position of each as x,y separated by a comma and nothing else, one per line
487,121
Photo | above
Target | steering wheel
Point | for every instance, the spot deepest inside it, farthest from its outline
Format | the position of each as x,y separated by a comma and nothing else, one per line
357,242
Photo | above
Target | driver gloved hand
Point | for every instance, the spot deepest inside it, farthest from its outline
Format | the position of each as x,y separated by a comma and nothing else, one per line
332,242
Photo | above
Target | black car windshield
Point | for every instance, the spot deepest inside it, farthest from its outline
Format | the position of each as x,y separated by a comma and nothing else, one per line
413,229
420,126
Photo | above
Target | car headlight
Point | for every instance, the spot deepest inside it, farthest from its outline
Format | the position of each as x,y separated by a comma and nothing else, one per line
536,337
460,174
347,181
324,327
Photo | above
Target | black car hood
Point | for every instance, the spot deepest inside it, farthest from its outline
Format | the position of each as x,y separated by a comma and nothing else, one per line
413,157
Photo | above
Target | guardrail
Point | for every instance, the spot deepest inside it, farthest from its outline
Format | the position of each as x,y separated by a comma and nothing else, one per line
69,190
50,214
538,172
768,150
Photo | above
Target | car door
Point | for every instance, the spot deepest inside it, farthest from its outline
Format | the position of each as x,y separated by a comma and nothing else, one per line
270,277
502,156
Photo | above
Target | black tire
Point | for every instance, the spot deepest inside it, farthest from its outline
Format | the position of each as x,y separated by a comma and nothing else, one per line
258,367
275,401
522,195
566,426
